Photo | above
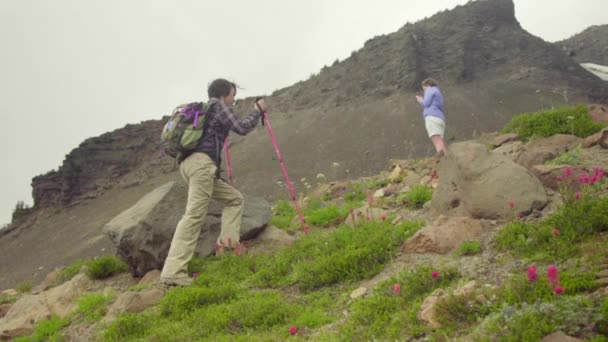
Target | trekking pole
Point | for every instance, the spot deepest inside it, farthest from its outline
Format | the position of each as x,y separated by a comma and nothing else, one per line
275,144
228,164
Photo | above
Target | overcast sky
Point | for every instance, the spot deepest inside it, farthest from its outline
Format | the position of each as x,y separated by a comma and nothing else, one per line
73,69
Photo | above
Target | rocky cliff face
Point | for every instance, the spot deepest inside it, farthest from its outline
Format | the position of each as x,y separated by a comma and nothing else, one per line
589,46
361,111
97,164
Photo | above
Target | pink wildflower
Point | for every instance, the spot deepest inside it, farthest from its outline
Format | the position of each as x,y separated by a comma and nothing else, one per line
555,232
552,275
368,218
511,204
216,246
567,172
532,274
383,217
558,290
584,178
293,330
435,274
577,196
397,289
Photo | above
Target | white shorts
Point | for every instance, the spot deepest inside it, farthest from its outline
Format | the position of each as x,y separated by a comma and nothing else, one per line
434,125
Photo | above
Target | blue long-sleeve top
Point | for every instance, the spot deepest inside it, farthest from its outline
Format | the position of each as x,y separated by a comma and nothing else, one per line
432,103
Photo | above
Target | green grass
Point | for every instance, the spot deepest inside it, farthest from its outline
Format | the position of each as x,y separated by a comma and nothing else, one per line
558,237
69,272
24,288
355,195
572,157
283,214
564,120
572,315
417,196
347,254
7,299
469,248
46,330
387,316
93,306
105,266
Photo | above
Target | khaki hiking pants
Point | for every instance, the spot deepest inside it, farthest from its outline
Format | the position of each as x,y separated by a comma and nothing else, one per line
199,172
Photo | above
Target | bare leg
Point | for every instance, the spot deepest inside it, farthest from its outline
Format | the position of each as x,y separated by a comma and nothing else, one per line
439,144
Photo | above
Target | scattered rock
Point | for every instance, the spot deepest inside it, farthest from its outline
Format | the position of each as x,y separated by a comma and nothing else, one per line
61,300
397,220
443,235
379,193
598,113
23,316
134,301
10,292
427,309
476,183
150,278
505,138
559,337
396,173
142,234
50,280
599,138
4,309
361,215
541,150
602,274
358,293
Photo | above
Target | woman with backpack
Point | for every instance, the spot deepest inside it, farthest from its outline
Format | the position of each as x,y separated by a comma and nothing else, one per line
200,169
434,116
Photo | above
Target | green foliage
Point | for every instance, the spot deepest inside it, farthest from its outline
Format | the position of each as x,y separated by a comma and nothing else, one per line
531,322
24,288
557,237
138,288
469,248
325,216
347,254
93,306
21,210
105,266
378,183
283,214
69,272
417,196
572,157
182,301
564,120
458,312
47,330
355,195
7,299
389,316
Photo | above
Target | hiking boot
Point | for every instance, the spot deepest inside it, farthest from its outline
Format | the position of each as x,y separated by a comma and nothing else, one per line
181,281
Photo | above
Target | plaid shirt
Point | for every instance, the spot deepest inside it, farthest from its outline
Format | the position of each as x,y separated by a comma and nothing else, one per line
219,122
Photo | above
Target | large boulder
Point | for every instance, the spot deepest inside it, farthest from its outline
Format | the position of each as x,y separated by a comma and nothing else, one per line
21,318
142,234
477,183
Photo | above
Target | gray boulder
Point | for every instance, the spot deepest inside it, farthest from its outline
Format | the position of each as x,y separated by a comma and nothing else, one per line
476,183
142,234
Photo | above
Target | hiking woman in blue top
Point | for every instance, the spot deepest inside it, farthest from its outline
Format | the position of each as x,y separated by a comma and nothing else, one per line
434,117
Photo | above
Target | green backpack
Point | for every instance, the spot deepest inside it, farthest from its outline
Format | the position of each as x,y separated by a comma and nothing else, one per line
184,129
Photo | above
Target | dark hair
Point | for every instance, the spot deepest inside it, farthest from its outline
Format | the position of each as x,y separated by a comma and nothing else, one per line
430,82
220,87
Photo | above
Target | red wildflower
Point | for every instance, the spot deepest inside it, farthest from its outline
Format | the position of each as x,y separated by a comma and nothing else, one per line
397,289
558,290
435,274
368,218
567,172
577,196
532,274
553,275
383,217
293,330
555,232
216,246
511,204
